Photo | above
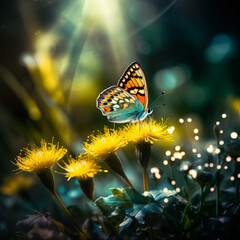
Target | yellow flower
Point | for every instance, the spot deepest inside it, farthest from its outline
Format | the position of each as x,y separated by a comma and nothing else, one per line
38,159
14,185
102,145
148,131
81,168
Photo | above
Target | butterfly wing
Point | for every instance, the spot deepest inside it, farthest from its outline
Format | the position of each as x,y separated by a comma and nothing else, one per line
133,81
118,105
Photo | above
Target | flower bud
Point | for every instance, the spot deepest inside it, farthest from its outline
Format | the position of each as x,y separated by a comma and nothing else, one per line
46,178
143,151
87,186
203,178
216,131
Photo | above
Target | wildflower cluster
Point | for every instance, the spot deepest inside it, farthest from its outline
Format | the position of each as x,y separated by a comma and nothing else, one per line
199,174
99,147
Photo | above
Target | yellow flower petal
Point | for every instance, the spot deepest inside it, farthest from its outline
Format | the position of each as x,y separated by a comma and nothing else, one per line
103,144
149,131
39,158
81,168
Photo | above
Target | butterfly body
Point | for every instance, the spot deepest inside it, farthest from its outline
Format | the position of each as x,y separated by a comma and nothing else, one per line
126,102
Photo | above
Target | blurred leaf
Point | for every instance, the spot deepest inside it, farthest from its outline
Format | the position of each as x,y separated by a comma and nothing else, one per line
181,199
229,191
26,98
94,229
39,226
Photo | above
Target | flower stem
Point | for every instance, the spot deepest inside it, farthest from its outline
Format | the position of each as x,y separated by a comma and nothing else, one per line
75,224
218,187
237,167
186,187
101,224
114,163
128,182
201,200
171,168
65,229
150,229
217,200
237,188
217,135
145,182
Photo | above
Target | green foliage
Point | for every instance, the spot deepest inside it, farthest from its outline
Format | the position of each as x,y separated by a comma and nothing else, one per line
186,217
135,206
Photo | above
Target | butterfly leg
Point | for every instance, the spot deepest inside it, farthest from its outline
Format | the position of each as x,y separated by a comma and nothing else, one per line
140,125
148,122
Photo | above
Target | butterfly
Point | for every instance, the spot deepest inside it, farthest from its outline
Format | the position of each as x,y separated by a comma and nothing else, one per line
128,100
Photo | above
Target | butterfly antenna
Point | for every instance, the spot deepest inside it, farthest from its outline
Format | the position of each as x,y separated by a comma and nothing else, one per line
161,105
163,92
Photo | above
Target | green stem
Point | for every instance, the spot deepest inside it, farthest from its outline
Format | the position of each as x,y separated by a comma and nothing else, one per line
128,182
217,192
186,187
217,173
101,224
171,168
237,188
150,229
145,182
64,229
235,211
114,163
218,187
237,166
75,224
201,200
60,226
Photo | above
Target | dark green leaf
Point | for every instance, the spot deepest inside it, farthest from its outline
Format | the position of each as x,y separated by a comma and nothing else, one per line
126,224
135,196
141,211
134,205
112,203
186,218
119,193
160,194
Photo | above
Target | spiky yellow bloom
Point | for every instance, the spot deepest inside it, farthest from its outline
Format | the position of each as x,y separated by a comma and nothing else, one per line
38,159
103,144
148,131
81,168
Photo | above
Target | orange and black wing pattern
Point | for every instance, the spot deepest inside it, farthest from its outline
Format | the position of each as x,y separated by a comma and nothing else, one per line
134,82
119,105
